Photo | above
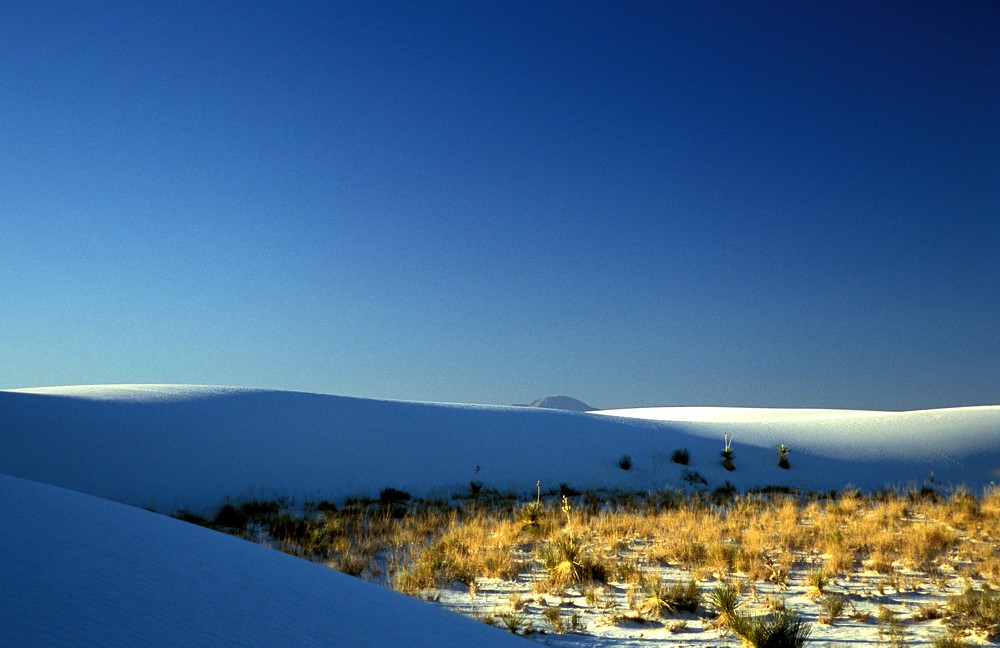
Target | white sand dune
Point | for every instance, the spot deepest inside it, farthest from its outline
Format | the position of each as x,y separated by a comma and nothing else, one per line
82,571
78,570
171,447
961,434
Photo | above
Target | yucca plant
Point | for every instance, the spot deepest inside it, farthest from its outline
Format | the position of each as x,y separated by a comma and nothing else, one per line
781,629
660,597
725,599
727,453
531,513
567,563
818,579
562,558
783,457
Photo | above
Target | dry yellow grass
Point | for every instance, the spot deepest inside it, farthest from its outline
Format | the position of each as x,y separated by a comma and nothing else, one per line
890,542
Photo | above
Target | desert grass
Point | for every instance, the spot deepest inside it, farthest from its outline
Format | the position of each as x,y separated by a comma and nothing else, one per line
978,610
744,545
659,597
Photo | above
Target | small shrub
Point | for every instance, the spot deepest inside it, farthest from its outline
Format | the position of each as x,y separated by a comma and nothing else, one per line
191,518
677,626
259,510
724,493
890,628
625,463
949,641
230,517
565,490
627,571
286,528
554,618
394,501
832,606
694,478
928,612
681,456
512,620
778,630
818,579
323,506
352,563
389,496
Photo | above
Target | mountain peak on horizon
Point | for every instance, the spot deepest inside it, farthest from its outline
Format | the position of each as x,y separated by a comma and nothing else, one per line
562,403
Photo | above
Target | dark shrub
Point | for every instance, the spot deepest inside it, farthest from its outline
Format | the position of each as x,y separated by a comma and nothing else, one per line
191,518
230,517
565,490
394,501
393,496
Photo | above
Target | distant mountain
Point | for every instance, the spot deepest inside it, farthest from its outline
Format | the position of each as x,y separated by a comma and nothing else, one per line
562,403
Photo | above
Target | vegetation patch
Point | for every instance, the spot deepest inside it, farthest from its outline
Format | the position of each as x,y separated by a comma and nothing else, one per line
635,560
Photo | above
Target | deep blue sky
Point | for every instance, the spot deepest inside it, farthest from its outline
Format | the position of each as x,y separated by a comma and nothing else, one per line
711,203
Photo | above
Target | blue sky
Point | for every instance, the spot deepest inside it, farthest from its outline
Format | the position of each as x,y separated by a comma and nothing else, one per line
718,203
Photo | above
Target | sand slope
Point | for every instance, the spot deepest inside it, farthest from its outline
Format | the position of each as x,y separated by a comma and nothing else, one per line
171,447
81,571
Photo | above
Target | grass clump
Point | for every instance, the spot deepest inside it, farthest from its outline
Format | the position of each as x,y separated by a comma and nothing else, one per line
659,598
949,641
681,456
553,616
513,620
978,610
694,478
832,606
891,630
781,629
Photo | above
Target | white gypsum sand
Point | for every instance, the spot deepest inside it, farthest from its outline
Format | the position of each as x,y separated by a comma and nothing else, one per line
171,447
